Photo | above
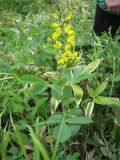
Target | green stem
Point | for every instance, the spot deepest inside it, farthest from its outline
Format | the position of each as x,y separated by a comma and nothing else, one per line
112,77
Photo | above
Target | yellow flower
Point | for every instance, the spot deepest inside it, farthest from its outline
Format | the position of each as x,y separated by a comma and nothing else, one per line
63,55
69,54
61,61
57,45
77,59
67,28
55,36
71,32
67,47
65,59
71,39
75,54
54,24
69,17
55,15
58,31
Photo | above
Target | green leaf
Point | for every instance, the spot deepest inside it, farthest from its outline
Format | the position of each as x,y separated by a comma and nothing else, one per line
75,156
54,119
67,93
38,88
100,88
108,101
67,75
115,79
30,78
77,71
78,93
74,111
82,77
79,120
5,141
38,144
19,139
75,129
56,91
92,66
89,109
37,132
53,75
54,104
55,150
90,91
65,134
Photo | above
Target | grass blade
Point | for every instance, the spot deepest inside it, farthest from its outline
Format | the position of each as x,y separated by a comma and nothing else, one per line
40,146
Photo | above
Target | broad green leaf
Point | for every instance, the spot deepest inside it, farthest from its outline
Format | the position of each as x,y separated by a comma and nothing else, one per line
77,71
38,88
54,119
30,78
74,111
115,79
36,142
79,120
54,104
100,88
78,93
83,76
92,66
57,91
74,128
67,93
67,75
53,75
108,101
89,109
90,91
65,134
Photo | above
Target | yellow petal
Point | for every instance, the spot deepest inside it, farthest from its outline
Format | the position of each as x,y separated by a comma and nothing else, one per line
71,39
71,32
69,17
57,45
67,28
54,24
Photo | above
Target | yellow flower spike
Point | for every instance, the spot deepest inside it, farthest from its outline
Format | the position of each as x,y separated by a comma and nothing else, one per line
77,59
66,53
57,45
71,32
65,59
67,47
54,25
55,15
61,61
71,39
69,54
69,17
67,28
58,31
63,55
55,36
75,54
